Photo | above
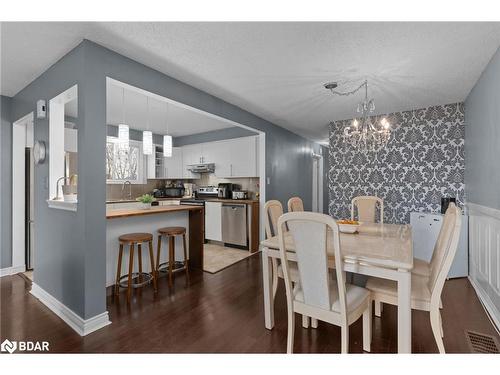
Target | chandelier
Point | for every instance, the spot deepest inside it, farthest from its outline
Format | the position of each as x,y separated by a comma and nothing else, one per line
362,133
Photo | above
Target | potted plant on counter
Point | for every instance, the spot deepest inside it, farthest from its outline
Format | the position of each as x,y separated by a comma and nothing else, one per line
146,200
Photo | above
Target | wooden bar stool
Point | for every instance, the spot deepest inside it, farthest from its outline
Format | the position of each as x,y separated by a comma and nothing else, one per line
134,279
172,266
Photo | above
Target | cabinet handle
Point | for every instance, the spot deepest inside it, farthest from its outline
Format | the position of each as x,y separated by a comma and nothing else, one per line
230,169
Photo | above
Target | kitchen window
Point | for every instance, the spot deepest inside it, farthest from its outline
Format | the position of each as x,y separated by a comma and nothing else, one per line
124,164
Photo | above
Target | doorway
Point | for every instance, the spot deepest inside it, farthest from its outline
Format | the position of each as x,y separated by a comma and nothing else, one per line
317,183
22,194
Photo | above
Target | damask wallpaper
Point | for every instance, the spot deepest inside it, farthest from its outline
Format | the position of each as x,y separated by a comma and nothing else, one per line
423,161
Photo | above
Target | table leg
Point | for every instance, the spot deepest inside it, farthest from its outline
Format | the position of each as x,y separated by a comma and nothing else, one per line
268,289
404,312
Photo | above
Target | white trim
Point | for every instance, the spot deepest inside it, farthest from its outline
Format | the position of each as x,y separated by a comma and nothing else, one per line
484,257
11,270
81,326
22,136
475,209
487,303
62,205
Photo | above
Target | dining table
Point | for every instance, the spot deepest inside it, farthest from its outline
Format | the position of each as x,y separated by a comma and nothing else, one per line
376,249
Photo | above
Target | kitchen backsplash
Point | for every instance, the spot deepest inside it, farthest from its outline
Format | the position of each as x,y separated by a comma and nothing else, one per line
249,183
114,191
423,161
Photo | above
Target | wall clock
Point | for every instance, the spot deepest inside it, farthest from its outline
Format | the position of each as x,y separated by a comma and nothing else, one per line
39,152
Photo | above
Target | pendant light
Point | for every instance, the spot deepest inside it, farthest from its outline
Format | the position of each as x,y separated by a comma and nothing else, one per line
147,135
123,129
167,139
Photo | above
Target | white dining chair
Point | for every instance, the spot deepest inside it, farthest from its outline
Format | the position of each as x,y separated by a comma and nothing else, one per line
295,204
317,295
366,206
273,210
426,290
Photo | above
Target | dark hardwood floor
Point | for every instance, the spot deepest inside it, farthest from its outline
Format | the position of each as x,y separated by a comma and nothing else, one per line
223,313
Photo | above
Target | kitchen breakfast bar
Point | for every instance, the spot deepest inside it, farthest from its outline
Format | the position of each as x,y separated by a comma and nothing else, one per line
122,221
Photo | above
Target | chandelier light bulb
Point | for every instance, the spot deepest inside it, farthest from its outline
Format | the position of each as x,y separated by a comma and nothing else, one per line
355,123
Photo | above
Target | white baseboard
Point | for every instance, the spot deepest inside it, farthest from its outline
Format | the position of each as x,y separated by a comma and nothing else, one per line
488,305
82,326
11,270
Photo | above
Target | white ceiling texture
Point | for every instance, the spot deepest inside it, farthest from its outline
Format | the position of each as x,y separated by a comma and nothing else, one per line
277,70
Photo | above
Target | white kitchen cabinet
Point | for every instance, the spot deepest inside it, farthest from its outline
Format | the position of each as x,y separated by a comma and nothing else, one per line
236,157
213,221
190,155
219,154
151,166
425,231
243,157
173,165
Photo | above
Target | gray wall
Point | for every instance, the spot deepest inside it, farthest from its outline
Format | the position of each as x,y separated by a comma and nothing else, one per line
6,183
482,138
423,162
215,135
69,253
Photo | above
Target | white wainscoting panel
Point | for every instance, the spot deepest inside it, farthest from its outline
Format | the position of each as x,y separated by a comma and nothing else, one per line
484,256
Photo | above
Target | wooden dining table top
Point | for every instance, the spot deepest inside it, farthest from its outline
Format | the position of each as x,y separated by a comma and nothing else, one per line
384,245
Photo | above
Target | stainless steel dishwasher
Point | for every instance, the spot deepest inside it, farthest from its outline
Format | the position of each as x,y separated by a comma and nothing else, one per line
234,224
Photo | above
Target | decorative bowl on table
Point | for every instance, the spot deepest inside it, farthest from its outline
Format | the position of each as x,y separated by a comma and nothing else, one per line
348,226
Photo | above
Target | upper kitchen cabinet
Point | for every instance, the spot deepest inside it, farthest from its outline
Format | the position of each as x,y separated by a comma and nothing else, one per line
190,155
232,158
165,167
173,165
243,157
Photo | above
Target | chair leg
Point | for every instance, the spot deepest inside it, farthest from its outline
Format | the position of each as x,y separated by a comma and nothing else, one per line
314,323
378,308
305,321
367,328
344,340
274,263
130,270
436,330
291,330
171,259
119,270
139,258
186,260
153,270
158,250
441,324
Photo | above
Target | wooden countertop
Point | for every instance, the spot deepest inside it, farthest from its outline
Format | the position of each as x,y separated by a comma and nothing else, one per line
114,214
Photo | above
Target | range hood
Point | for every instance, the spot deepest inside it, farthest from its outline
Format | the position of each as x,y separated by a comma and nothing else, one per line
202,168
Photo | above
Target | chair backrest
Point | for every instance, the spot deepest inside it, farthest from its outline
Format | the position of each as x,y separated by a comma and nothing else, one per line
272,211
444,252
309,231
295,204
367,207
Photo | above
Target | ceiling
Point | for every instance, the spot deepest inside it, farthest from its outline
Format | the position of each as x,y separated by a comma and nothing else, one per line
276,70
163,118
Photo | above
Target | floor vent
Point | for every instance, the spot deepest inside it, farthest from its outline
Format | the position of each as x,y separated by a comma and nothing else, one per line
481,343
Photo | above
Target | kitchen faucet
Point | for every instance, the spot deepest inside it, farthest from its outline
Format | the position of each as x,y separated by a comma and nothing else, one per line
129,189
